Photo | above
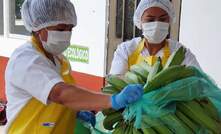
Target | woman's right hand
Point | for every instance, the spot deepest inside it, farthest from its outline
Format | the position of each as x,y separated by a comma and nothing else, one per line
129,94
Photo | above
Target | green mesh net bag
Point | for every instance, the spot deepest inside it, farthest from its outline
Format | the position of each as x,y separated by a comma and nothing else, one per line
189,105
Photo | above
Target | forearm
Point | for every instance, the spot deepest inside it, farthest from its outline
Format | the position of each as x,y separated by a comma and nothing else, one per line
80,99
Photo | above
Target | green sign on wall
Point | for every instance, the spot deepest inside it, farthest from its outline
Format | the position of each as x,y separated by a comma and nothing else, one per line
77,53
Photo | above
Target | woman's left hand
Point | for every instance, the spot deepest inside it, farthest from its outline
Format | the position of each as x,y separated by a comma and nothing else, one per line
87,116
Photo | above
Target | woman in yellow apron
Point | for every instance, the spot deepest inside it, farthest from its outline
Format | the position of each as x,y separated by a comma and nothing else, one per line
42,97
153,17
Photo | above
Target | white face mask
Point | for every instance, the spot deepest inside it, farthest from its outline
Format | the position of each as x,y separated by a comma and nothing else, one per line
57,42
155,32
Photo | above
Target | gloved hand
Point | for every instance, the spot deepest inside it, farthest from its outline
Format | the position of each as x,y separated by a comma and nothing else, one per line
87,116
129,94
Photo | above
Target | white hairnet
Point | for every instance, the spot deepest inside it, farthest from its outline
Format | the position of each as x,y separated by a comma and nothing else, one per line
145,4
38,14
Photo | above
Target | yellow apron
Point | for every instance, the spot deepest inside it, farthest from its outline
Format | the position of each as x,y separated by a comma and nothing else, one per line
136,57
37,118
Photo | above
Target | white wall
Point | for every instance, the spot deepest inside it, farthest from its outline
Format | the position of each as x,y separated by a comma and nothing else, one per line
91,32
201,32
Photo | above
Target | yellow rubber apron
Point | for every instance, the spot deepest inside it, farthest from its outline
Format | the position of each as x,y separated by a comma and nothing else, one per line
136,57
37,118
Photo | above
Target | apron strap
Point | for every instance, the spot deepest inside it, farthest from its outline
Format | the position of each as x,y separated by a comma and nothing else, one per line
65,70
136,57
166,54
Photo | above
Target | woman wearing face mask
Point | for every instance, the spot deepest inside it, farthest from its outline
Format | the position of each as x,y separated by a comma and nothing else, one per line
154,18
40,90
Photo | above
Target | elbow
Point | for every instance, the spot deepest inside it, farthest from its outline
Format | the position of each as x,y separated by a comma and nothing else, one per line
58,93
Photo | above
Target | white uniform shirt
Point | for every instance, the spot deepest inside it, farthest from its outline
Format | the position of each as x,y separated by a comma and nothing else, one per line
125,49
28,74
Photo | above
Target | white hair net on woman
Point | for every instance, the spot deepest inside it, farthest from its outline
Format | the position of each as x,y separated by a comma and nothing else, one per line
39,14
145,4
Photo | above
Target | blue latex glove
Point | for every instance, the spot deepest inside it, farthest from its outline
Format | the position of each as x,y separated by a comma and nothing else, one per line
87,116
129,94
